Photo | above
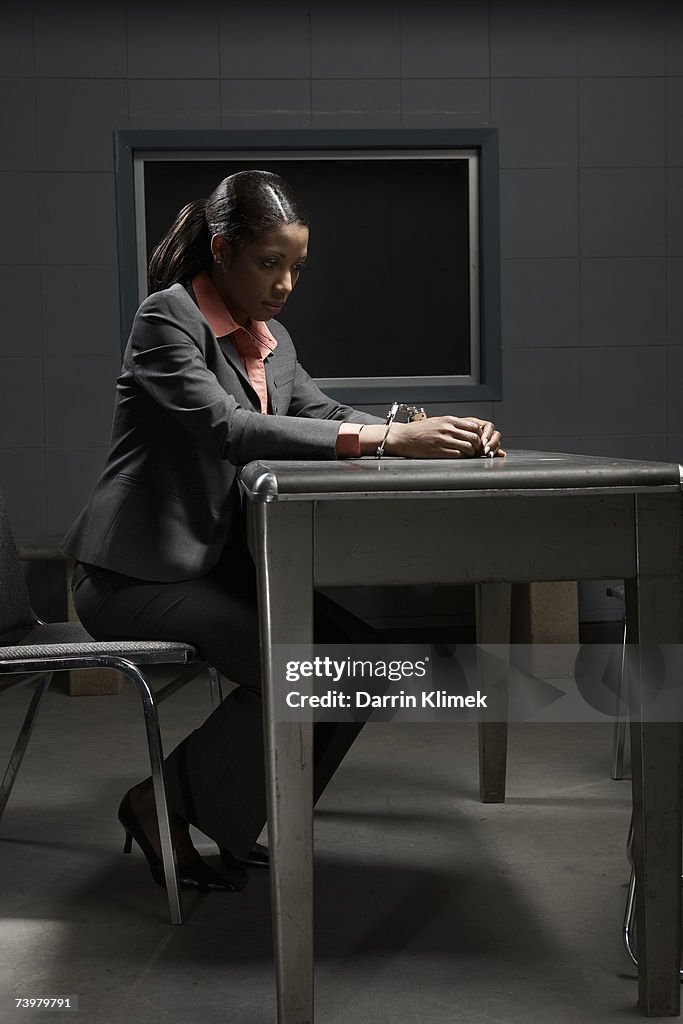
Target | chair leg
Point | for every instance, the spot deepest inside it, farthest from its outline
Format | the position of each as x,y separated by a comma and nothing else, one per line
23,738
215,687
156,760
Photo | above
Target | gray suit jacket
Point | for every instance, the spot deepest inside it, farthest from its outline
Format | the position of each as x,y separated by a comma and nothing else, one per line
185,420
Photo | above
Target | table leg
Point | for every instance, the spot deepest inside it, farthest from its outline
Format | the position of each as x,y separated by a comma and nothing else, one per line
656,756
283,548
493,627
654,605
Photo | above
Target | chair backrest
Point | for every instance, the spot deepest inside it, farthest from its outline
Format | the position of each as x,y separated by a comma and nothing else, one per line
15,605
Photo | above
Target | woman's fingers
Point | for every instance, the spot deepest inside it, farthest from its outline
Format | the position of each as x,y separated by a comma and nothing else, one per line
489,436
492,445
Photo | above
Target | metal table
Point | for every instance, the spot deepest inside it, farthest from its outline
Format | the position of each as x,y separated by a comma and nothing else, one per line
531,516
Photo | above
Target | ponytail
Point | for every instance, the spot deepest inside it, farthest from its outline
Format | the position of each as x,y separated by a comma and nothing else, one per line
184,251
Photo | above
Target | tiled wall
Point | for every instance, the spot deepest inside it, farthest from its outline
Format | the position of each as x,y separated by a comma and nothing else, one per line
588,97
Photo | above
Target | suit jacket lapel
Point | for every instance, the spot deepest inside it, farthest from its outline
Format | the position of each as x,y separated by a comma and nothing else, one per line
270,384
233,357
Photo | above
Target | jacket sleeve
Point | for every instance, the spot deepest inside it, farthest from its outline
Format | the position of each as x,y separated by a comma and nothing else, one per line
308,400
167,362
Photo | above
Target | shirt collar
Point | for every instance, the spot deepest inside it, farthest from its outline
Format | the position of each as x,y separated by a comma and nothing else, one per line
219,317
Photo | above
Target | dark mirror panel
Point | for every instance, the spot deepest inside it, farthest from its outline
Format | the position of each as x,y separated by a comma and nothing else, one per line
387,284
400,300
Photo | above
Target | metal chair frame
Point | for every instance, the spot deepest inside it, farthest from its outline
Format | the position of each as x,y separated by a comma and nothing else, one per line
35,650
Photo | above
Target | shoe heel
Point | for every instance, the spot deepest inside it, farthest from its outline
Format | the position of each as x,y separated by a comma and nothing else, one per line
134,831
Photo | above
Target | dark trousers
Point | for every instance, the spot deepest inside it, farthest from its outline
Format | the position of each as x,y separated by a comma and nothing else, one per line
215,775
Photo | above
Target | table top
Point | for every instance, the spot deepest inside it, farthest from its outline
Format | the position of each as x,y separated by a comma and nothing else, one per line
520,472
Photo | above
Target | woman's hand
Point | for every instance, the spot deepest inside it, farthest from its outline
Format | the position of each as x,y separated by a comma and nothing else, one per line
436,437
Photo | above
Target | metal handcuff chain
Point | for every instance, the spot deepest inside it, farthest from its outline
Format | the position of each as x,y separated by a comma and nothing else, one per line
413,413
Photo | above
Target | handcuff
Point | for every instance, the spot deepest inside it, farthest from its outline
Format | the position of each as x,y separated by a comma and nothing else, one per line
413,413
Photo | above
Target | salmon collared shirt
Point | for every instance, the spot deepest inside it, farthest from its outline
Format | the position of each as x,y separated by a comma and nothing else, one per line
254,344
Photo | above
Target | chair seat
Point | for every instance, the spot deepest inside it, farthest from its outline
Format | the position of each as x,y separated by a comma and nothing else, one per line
70,639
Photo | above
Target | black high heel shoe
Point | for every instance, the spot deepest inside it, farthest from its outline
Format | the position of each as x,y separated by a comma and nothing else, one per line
258,857
196,874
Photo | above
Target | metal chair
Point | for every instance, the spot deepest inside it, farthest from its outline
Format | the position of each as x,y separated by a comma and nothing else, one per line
33,650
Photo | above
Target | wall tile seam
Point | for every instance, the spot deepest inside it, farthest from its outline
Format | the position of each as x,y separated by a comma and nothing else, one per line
597,167
653,165
221,77
557,76
662,348
281,78
511,349
538,167
624,167
582,259
669,411
582,77
32,266
337,77
607,346
577,346
631,78
65,78
25,448
396,78
91,79
43,518
141,78
663,345
667,240
74,169
225,78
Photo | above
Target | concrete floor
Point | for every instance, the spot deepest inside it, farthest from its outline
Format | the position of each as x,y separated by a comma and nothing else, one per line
430,907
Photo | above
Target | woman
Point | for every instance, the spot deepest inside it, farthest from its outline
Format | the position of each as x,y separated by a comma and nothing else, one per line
206,387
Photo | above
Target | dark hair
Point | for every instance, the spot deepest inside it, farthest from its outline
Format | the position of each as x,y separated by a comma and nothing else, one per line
242,208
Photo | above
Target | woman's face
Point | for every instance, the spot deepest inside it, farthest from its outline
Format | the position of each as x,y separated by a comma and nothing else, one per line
256,282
